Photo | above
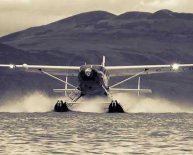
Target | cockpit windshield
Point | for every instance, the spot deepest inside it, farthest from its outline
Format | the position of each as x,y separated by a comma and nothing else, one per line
95,67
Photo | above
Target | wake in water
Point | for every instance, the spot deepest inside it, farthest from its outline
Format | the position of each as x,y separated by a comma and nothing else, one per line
39,102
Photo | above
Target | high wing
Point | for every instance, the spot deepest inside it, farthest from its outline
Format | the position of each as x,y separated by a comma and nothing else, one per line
147,69
55,70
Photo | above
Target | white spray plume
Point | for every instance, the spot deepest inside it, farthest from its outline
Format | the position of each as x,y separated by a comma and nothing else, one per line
135,104
39,102
34,102
96,104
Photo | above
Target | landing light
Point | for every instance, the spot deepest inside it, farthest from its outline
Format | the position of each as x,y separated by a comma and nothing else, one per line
11,66
25,66
175,66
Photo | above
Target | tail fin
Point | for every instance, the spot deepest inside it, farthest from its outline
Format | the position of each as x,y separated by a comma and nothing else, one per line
103,62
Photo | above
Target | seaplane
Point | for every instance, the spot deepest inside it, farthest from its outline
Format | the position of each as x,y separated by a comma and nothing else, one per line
93,80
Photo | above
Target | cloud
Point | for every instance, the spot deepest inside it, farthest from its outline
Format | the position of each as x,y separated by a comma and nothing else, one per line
165,4
7,3
14,1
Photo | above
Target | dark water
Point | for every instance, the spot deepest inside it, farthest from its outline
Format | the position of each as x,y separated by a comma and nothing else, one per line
91,133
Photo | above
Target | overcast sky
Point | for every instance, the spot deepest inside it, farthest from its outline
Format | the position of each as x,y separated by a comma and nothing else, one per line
17,15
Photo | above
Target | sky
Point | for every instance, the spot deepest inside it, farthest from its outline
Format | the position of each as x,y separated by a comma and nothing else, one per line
16,15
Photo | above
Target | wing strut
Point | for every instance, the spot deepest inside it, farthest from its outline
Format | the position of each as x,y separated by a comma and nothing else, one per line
50,75
108,93
127,79
138,88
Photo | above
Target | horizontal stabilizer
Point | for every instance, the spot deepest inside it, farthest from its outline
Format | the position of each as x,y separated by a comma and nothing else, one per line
118,90
62,90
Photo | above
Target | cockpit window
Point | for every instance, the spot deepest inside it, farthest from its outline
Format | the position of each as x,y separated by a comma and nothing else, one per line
96,67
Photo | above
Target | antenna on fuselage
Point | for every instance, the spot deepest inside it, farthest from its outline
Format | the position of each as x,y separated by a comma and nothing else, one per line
103,62
66,86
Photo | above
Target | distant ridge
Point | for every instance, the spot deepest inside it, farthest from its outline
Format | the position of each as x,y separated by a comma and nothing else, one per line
163,14
134,15
92,16
90,21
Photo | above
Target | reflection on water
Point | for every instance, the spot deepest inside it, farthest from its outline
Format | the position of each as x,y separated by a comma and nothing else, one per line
90,133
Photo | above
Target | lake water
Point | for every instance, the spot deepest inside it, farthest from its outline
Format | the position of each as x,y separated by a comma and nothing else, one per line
96,133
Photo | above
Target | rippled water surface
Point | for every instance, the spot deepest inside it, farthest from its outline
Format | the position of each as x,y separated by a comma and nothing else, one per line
91,133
